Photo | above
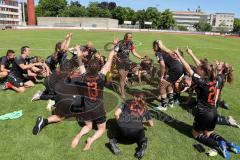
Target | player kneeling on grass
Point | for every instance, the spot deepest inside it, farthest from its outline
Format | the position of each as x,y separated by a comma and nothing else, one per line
130,118
5,63
206,114
16,79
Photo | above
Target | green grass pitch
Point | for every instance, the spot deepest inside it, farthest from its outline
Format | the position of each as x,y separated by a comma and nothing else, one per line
167,141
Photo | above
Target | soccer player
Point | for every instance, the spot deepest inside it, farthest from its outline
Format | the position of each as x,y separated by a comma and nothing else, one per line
168,61
130,118
224,73
206,115
41,71
92,103
123,49
94,81
90,50
16,79
5,63
60,54
146,67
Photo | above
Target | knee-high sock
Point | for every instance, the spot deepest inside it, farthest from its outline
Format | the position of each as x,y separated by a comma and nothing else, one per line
218,138
171,97
208,141
222,120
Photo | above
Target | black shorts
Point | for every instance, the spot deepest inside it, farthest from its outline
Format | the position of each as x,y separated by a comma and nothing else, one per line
100,120
205,120
17,82
123,64
126,134
175,74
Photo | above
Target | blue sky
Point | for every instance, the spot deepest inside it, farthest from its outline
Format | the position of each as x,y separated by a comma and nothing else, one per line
208,6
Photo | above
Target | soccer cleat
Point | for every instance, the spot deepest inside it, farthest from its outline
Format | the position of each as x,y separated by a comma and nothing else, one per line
38,126
140,153
233,122
212,153
223,149
223,104
161,108
50,105
37,96
7,85
171,104
234,148
113,147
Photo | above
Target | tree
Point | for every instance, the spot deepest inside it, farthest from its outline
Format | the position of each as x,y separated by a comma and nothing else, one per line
140,16
103,5
166,20
203,27
181,28
152,15
112,6
50,8
74,11
222,27
93,9
119,13
236,26
75,3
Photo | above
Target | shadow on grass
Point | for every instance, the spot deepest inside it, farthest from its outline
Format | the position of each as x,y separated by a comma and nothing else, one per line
180,126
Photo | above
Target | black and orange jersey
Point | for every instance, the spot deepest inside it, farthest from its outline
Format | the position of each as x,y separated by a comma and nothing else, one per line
206,92
124,49
93,92
133,114
171,61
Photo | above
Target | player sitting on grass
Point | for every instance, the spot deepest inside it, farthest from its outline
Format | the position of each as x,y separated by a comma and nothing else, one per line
146,67
16,79
5,64
168,61
60,53
206,114
130,118
42,71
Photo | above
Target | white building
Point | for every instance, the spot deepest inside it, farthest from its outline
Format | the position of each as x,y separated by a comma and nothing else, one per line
189,18
221,21
10,13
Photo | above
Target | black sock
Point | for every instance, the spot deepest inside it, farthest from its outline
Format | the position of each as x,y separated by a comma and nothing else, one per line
171,98
164,102
218,137
222,120
177,96
209,141
45,122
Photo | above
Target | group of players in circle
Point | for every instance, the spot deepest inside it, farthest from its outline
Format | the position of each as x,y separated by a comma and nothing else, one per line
74,87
